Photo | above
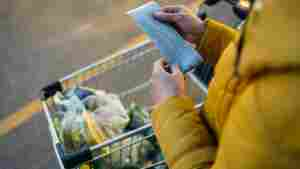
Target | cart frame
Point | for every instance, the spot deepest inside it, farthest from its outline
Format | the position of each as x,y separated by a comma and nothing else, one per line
68,161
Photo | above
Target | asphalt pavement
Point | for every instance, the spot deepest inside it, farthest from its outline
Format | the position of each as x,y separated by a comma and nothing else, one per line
41,41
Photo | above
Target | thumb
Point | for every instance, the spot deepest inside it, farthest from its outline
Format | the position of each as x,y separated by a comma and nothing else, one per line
167,17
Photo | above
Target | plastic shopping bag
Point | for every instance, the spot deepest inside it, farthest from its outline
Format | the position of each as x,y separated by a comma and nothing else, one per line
109,112
74,132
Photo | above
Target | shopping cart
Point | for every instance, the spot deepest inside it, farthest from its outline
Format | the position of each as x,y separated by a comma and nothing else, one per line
126,73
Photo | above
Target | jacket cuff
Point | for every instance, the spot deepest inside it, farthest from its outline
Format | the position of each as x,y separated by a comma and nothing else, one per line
183,138
161,113
207,44
175,103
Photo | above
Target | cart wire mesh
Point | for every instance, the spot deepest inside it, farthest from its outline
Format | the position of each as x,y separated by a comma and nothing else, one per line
125,148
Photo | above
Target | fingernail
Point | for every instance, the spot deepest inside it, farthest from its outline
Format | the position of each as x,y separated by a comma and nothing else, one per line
156,14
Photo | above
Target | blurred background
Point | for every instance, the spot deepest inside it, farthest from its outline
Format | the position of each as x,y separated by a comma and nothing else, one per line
43,40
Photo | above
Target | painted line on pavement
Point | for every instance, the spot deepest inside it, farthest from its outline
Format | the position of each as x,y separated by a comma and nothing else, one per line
14,120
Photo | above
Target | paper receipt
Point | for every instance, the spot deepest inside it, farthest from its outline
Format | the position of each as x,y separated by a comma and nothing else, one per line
170,43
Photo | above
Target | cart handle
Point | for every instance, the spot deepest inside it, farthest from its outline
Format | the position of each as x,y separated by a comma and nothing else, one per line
51,90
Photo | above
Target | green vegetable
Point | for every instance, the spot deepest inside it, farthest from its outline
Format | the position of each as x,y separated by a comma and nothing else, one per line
138,117
58,128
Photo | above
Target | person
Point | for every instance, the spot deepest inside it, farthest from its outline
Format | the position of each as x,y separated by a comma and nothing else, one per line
251,115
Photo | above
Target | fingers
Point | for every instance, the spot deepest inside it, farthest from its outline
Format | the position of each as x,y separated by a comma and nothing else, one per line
167,17
161,65
169,14
172,9
176,70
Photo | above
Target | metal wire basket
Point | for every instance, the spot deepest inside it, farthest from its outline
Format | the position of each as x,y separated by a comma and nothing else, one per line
126,73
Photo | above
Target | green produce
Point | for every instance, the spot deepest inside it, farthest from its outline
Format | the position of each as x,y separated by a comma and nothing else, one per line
138,117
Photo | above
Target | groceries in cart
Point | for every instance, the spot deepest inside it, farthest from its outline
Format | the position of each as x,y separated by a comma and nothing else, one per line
85,117
69,121
108,111
138,117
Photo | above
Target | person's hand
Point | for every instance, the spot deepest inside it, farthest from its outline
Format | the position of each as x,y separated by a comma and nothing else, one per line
166,84
185,22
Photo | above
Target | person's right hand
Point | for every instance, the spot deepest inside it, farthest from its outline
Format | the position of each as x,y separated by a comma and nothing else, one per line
166,82
185,22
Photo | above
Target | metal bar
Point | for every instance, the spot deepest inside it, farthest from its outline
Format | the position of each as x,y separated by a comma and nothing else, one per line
155,165
136,89
121,137
105,60
142,86
140,154
241,25
110,157
199,83
53,134
110,65
129,134
130,152
121,151
122,147
199,106
51,126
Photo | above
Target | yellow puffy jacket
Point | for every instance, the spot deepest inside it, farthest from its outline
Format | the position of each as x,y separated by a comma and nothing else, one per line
255,119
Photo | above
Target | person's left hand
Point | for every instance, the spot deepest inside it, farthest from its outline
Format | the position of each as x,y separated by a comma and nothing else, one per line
183,20
166,84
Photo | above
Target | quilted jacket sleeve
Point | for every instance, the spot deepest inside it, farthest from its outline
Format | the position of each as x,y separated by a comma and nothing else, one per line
184,139
262,130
